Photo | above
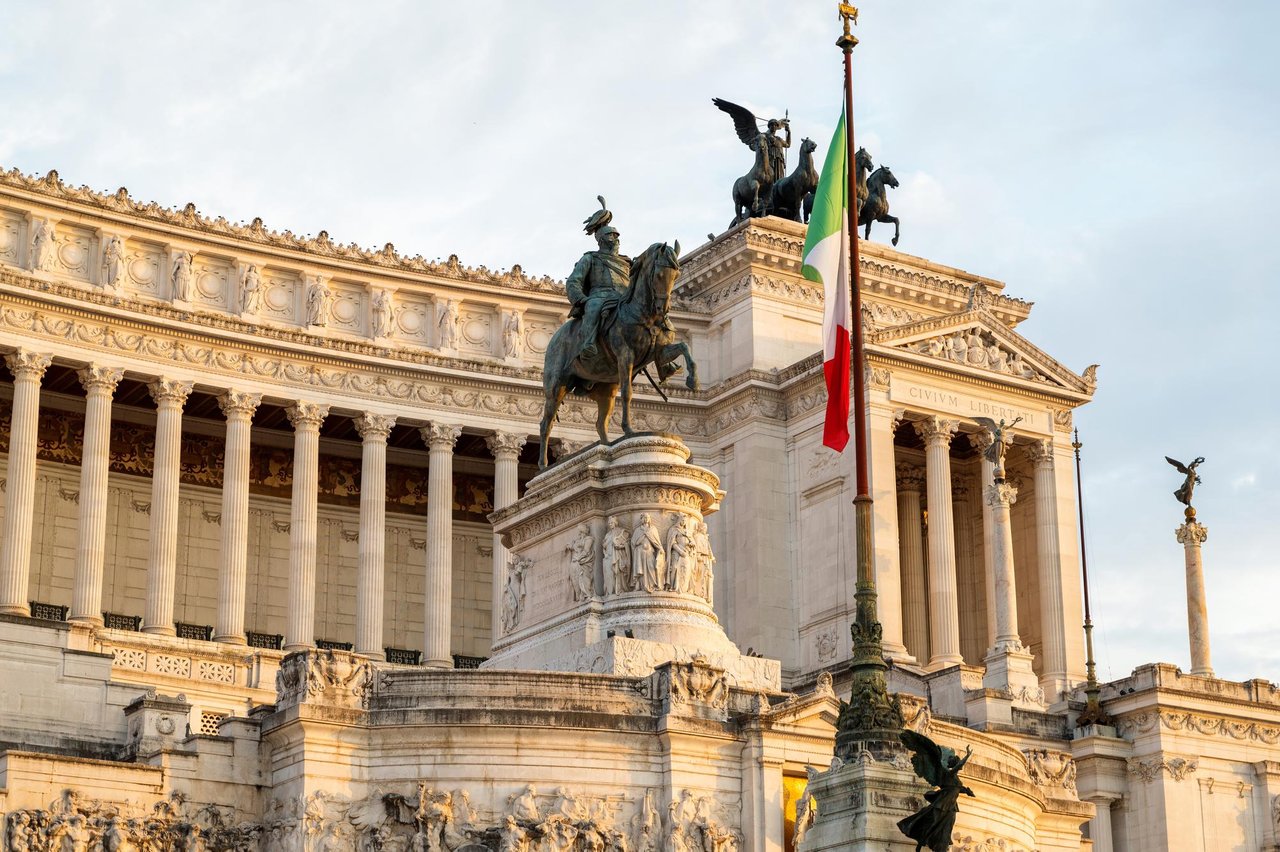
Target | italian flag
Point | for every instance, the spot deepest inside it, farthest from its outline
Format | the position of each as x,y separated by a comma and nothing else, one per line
826,262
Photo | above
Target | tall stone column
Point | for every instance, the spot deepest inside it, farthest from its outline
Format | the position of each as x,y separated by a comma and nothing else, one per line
20,491
91,547
986,478
162,556
438,625
915,604
882,422
966,554
1053,633
1191,536
944,605
306,418
238,408
506,449
1008,663
374,430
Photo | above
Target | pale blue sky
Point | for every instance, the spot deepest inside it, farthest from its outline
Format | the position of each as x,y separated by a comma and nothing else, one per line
1113,162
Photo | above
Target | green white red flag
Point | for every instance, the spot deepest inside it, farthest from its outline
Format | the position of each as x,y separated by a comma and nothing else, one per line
826,262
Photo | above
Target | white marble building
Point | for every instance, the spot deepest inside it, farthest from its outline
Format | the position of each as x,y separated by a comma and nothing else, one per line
197,416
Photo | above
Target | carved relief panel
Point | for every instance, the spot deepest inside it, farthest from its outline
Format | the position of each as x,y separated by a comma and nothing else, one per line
73,251
349,310
281,295
538,331
214,282
11,227
144,265
475,326
413,319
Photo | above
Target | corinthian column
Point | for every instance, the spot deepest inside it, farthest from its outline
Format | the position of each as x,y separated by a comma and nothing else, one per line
1191,536
506,449
915,604
986,478
374,430
1000,497
238,408
944,607
306,418
86,594
882,423
438,630
966,560
162,557
20,495
1053,633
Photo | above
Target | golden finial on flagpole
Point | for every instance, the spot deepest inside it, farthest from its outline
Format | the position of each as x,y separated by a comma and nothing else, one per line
848,14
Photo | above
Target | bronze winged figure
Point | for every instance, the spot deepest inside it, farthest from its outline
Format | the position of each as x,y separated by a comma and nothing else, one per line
931,826
1189,484
999,443
752,191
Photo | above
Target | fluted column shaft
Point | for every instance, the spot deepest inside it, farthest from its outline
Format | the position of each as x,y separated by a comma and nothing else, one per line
374,430
882,423
20,491
234,570
1191,536
506,488
162,556
944,606
1053,633
999,497
915,604
306,418
986,478
91,544
966,558
438,624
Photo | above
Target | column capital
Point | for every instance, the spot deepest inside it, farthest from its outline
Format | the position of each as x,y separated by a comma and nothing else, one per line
1001,494
936,431
1040,451
172,391
374,427
98,377
238,402
307,414
910,477
25,364
1192,532
896,418
981,439
506,444
440,436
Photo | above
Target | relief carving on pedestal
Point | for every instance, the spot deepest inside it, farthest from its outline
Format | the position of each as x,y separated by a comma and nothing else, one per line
1051,769
324,676
513,593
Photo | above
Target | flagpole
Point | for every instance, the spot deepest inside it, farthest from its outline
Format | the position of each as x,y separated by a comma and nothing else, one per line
871,719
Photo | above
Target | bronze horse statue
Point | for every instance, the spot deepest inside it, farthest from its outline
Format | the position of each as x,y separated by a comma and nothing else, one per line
748,189
631,339
862,164
789,192
876,207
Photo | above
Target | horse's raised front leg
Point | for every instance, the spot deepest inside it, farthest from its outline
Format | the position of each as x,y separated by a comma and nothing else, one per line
554,396
669,354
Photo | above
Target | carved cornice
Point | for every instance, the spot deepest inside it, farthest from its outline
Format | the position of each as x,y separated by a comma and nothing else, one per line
1241,730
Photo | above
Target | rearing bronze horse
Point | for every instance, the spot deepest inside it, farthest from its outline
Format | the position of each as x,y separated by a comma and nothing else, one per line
634,337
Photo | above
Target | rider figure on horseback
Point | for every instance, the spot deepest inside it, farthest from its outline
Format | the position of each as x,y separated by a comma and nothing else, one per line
598,279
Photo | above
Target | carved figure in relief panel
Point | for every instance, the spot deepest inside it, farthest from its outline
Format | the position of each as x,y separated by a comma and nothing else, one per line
447,325
180,276
704,562
44,238
617,559
646,825
680,555
382,313
647,556
582,559
524,807
514,592
250,290
112,262
511,837
319,301
513,334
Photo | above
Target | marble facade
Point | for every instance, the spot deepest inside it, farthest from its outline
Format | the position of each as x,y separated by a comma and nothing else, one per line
247,557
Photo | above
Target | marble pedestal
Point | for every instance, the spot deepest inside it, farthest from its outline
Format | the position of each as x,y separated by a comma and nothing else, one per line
575,597
1011,672
859,806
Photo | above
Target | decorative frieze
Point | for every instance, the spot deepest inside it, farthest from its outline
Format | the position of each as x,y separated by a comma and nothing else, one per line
1148,770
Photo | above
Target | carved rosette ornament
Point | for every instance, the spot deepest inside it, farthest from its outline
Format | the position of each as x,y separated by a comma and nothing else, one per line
374,426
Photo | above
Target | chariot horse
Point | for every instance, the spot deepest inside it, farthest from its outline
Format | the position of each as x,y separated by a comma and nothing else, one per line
634,336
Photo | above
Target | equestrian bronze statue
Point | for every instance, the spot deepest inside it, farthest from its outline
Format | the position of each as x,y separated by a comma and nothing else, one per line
876,206
618,327
753,192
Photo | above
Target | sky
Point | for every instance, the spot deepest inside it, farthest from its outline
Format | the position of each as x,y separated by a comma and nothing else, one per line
1113,162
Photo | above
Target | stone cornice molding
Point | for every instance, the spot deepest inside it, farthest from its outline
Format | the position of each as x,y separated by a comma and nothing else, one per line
96,377
440,436
306,415
1243,730
238,403
506,444
374,427
27,365
170,392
